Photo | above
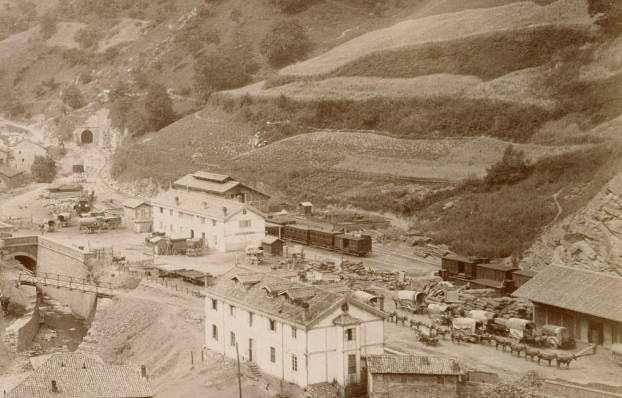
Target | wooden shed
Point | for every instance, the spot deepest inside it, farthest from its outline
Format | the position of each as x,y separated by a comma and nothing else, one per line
272,245
521,277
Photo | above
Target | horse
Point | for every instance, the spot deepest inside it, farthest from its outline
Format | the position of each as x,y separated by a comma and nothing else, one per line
500,341
458,336
565,360
546,357
517,347
428,340
414,324
393,316
443,331
486,336
529,353
402,319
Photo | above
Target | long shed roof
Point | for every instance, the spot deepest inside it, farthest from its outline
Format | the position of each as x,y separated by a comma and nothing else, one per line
397,364
586,292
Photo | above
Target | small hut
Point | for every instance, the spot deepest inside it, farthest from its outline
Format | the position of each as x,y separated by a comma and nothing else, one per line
272,245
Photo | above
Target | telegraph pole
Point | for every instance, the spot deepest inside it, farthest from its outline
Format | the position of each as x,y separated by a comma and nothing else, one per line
239,375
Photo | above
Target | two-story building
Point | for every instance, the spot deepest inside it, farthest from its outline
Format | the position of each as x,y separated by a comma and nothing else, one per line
296,334
24,153
138,215
224,225
222,186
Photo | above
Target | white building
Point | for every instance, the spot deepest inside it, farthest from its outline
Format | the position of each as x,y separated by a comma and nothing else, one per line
224,225
293,332
24,153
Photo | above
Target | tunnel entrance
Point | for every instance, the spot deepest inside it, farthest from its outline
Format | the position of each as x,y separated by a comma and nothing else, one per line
86,137
27,262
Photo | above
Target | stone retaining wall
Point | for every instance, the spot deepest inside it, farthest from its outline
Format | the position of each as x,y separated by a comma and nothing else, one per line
20,333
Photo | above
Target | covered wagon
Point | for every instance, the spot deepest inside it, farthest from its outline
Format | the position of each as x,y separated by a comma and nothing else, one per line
557,336
88,225
365,297
468,328
521,329
482,315
410,300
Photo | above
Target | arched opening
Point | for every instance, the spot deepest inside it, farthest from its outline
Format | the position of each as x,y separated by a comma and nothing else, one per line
86,137
28,262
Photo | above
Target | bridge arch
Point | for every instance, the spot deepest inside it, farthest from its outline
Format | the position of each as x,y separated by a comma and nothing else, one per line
27,260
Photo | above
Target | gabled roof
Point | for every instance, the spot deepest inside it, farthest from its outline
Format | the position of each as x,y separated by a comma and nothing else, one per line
9,172
421,365
345,320
525,272
297,292
134,203
203,205
247,277
189,181
305,204
321,304
269,239
78,375
204,175
32,142
586,292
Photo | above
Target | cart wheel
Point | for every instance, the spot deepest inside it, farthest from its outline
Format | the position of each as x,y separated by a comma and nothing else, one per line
553,343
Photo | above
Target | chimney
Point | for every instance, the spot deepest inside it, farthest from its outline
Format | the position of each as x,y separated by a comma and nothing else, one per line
381,303
143,371
224,211
177,200
305,311
54,386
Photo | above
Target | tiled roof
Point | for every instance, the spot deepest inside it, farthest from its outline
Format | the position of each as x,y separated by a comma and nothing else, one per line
297,292
255,298
586,292
346,319
209,186
9,172
248,277
134,203
397,364
323,390
334,287
81,376
269,239
204,205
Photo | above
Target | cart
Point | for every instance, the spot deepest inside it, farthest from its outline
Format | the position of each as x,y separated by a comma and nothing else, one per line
521,330
89,225
469,328
49,225
557,337
63,219
112,222
194,247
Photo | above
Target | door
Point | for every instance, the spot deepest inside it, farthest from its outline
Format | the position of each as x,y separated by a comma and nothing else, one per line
191,233
250,350
595,333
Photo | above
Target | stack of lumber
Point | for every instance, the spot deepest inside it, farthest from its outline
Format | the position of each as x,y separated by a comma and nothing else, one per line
353,267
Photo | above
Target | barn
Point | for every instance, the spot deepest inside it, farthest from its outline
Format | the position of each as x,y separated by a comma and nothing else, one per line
587,303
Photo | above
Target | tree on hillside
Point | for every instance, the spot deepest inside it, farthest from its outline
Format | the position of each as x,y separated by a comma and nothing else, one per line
86,37
159,107
43,169
122,89
513,167
285,43
609,15
73,97
224,69
48,24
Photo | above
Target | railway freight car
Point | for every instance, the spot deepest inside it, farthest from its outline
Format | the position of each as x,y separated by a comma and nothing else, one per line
356,245
297,233
322,238
331,240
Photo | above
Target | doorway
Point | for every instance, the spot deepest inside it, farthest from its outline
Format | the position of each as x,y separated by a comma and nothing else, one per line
595,333
191,233
86,137
250,350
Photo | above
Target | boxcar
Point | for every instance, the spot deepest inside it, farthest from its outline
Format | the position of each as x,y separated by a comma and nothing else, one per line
274,229
322,238
356,245
297,233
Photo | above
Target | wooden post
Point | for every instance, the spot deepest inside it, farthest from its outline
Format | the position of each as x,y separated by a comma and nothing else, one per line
191,358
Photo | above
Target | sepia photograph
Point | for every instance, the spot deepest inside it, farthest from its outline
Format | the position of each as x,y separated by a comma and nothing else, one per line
310,198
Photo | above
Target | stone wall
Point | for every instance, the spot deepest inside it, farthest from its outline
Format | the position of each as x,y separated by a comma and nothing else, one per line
56,258
563,389
416,386
20,334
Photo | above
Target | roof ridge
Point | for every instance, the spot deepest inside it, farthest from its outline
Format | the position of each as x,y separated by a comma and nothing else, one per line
608,275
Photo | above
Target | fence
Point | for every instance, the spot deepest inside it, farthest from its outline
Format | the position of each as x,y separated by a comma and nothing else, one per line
198,293
68,283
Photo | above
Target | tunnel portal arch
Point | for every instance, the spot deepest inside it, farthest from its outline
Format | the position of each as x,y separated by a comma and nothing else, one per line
86,137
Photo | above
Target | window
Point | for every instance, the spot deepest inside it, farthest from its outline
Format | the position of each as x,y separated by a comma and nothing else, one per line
245,223
232,339
215,332
351,364
232,311
250,319
440,380
213,223
161,210
294,363
171,227
294,331
214,305
180,214
272,325
202,220
272,355
170,212
351,333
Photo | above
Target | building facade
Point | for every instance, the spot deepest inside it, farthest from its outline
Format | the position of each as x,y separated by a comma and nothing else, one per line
11,178
224,225
413,377
587,303
138,215
223,187
293,332
24,153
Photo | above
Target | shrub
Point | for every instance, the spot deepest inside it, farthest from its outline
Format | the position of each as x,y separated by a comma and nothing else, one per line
159,108
513,167
292,6
43,169
73,97
224,69
285,42
87,37
48,24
